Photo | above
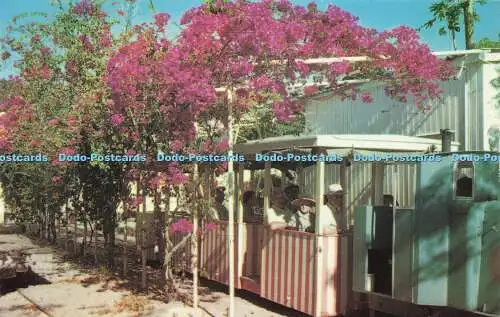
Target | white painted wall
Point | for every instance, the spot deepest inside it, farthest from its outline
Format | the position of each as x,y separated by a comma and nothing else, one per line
491,97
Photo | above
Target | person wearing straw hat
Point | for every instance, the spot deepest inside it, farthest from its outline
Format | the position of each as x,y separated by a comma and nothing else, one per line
218,210
303,219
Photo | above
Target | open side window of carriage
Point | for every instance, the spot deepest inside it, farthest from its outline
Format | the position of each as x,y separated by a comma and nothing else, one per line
464,185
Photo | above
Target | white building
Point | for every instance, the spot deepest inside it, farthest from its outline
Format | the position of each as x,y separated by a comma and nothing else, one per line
468,107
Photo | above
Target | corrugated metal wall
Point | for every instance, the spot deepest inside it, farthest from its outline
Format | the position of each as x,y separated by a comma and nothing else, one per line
329,115
491,111
474,104
386,116
399,181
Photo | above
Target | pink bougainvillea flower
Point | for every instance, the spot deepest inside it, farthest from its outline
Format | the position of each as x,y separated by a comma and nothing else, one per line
117,119
35,143
341,67
367,98
223,145
67,151
106,39
86,42
210,226
56,179
181,226
310,90
83,7
36,38
176,145
161,19
45,51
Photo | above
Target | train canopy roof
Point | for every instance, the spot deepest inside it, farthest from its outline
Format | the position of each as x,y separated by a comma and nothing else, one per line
343,144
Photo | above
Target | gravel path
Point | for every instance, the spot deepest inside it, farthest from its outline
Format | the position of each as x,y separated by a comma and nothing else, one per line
72,291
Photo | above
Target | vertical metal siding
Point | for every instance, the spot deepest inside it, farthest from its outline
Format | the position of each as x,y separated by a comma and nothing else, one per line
386,116
474,98
491,109
400,181
330,115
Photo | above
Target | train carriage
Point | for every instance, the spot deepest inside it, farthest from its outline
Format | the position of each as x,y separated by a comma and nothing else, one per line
309,272
439,256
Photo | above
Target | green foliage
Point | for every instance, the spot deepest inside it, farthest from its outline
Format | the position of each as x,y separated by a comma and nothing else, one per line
68,110
261,123
488,43
453,14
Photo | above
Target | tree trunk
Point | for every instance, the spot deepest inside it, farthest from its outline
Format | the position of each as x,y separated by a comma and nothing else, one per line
469,23
194,240
109,236
453,36
125,242
85,233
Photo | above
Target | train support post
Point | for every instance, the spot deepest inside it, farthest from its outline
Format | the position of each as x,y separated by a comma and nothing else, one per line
230,202
239,198
319,193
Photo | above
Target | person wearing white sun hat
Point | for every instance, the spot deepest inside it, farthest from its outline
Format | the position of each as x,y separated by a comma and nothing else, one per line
334,201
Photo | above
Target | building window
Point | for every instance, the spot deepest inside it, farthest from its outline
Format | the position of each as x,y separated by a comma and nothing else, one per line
464,179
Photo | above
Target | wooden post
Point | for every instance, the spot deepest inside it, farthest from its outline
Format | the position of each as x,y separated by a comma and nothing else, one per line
66,214
194,241
230,187
395,184
138,220
241,226
252,180
75,227
377,184
267,188
344,250
320,192
125,238
345,214
300,177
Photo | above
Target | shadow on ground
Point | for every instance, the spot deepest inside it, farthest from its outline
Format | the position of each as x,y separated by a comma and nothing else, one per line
21,281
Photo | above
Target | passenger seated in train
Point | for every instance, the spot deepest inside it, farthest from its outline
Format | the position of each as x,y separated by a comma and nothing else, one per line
389,201
278,214
334,198
304,218
251,207
291,192
218,211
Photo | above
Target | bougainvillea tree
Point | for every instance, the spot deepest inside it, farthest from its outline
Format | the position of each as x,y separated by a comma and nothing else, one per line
63,107
165,94
80,95
259,49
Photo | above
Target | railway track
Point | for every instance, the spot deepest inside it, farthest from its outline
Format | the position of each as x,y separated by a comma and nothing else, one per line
35,305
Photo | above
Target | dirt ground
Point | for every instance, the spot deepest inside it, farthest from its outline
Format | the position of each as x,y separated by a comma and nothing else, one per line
67,289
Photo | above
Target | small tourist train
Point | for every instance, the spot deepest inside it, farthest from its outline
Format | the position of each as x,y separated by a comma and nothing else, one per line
313,245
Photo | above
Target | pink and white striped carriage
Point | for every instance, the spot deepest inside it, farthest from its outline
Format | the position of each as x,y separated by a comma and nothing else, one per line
309,272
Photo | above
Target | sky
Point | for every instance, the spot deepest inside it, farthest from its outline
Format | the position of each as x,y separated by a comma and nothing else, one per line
378,14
